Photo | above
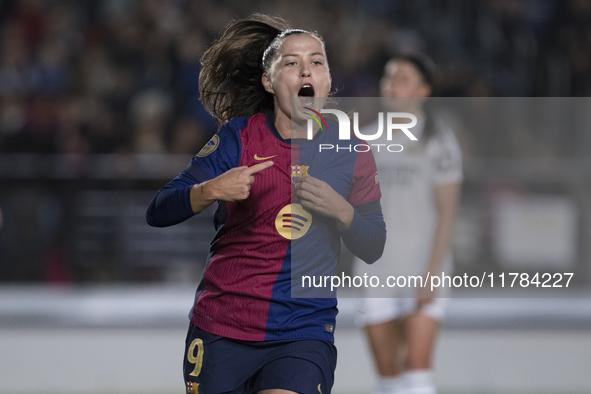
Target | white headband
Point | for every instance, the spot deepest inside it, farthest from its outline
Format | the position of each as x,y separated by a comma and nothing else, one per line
277,41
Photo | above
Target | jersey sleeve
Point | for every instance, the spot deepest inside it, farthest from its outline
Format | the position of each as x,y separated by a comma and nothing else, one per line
366,186
172,203
366,237
446,159
220,154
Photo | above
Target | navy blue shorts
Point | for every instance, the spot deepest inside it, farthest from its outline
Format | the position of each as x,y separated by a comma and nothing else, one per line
216,365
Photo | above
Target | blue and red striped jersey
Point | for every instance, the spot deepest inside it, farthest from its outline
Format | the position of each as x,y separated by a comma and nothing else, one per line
245,292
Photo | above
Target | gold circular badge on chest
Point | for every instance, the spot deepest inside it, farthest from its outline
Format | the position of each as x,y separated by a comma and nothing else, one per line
293,221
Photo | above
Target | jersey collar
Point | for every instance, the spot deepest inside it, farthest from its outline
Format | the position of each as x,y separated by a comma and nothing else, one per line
270,119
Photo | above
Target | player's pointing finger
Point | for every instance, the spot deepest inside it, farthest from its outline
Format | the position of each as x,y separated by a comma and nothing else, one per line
259,167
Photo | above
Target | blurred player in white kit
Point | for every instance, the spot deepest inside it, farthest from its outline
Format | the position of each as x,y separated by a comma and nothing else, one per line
420,188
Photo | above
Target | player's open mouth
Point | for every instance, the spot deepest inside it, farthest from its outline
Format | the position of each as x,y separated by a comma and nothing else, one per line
306,95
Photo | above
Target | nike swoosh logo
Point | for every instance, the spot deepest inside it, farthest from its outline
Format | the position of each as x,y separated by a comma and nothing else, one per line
319,388
256,157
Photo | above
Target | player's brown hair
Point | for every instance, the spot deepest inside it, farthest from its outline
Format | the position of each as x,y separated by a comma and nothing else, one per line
427,70
232,67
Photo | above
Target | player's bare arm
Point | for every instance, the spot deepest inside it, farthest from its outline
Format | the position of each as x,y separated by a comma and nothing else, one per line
232,185
319,196
446,202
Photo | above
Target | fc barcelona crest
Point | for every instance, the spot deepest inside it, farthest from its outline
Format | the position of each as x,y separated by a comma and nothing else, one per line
192,387
297,172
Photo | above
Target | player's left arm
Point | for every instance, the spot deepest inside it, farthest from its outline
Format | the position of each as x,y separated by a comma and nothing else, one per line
447,177
446,203
446,199
358,218
319,196
366,237
362,226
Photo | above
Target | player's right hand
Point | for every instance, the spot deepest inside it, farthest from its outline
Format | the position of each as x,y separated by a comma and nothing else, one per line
234,184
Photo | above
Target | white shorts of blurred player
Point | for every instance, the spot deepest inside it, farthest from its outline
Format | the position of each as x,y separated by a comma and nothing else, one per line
380,310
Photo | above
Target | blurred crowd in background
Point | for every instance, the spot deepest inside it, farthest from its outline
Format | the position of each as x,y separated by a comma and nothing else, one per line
121,76
88,77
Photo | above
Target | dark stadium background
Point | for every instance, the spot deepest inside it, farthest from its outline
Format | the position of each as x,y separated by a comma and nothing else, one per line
99,107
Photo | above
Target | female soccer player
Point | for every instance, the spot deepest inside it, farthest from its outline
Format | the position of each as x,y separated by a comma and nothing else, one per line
420,186
277,198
